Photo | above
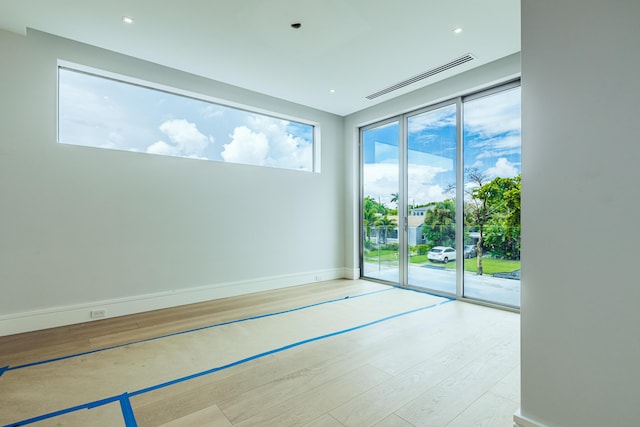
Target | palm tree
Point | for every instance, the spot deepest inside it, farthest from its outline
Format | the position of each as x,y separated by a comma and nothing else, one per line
385,224
368,222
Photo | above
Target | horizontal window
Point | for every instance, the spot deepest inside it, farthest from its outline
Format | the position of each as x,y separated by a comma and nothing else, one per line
99,111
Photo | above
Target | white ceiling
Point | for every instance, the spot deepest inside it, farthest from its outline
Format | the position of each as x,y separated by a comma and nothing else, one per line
356,47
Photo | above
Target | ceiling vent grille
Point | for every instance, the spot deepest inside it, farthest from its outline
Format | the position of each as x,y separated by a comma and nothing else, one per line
449,65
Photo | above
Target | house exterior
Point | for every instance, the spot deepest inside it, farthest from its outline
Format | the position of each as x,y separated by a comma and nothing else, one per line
415,236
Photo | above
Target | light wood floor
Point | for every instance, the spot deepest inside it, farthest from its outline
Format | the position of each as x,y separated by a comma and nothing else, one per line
388,358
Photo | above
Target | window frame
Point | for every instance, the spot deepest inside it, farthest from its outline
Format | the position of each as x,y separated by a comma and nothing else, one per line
315,166
403,118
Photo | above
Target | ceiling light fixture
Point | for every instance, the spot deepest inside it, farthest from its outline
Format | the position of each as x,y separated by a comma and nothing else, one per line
332,91
127,20
457,30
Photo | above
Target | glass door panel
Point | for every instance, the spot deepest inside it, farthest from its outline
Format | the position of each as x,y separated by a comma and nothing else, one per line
431,200
492,197
441,198
381,187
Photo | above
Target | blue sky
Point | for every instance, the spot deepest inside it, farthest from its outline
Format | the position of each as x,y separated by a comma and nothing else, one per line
492,134
491,145
99,112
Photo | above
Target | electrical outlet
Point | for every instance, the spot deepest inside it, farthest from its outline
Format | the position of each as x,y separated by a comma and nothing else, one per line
96,314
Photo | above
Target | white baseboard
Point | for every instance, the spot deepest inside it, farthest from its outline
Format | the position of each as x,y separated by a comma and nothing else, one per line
352,273
68,315
521,421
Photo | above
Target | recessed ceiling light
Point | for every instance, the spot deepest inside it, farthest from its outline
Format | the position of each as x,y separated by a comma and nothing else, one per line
457,30
332,91
127,20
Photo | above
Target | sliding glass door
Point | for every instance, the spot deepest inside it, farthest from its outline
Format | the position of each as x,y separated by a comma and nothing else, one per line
431,199
492,196
440,207
379,209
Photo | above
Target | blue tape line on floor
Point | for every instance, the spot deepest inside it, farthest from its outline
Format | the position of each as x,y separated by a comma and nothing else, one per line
420,291
127,411
280,349
112,399
89,405
261,316
102,402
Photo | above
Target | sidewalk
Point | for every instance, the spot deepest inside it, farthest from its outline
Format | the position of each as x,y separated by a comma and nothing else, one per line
486,287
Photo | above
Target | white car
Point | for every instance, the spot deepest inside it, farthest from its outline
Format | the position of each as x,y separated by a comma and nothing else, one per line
442,254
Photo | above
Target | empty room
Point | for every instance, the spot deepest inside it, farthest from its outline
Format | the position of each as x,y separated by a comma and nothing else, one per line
336,213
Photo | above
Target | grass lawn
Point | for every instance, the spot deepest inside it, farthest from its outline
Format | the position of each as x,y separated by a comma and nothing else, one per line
489,265
385,256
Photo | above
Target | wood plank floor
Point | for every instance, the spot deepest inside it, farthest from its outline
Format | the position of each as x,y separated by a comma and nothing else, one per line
440,364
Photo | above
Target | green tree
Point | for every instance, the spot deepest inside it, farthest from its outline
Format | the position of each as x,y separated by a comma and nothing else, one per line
494,208
384,226
503,234
368,221
372,211
440,223
394,199
478,210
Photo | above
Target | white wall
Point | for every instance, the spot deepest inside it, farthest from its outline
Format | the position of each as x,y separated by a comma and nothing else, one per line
580,275
83,227
476,79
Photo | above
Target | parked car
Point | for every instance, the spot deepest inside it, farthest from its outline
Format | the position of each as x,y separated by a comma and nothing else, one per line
442,254
470,251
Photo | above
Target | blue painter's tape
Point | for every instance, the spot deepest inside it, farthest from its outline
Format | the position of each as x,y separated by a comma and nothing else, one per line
89,405
281,349
103,402
125,403
261,316
50,415
420,291
127,411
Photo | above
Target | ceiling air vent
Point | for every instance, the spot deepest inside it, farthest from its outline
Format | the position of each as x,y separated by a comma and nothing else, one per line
459,61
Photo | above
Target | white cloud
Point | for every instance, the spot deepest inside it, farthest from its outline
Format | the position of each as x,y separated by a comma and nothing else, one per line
185,140
186,136
503,168
435,119
492,126
163,148
266,141
285,149
422,186
246,147
381,181
493,115
506,145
